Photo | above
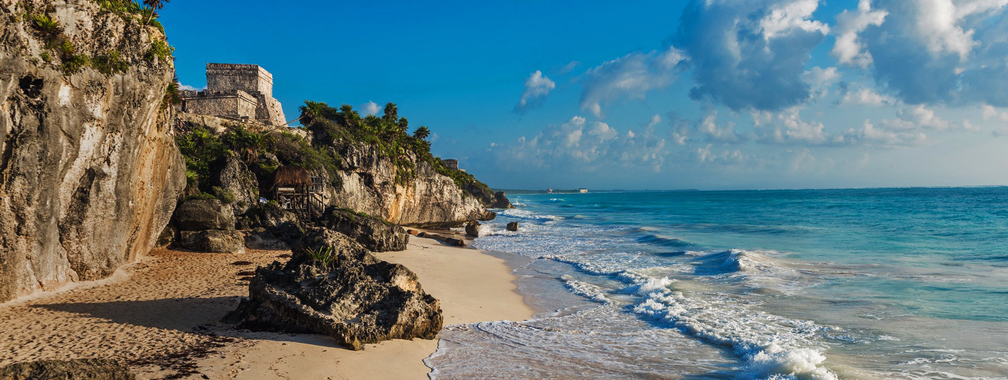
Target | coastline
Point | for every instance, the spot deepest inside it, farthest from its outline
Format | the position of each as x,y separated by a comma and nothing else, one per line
165,318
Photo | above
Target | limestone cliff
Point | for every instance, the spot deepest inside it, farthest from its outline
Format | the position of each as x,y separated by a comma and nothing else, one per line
89,171
368,184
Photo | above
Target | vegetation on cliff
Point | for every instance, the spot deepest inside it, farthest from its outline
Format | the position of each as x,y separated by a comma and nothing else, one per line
263,153
388,135
60,49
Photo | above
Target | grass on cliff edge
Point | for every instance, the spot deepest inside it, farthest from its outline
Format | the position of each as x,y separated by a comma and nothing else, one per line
387,134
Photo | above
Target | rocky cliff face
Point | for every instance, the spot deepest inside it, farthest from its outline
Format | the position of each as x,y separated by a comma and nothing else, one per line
368,184
89,171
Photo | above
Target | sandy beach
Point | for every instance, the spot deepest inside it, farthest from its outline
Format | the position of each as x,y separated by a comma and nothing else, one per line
162,317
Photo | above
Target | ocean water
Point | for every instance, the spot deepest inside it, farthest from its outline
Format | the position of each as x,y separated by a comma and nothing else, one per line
803,284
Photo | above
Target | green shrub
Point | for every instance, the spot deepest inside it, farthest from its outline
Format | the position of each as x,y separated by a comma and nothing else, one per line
159,50
199,196
225,196
325,256
46,25
46,57
75,63
110,63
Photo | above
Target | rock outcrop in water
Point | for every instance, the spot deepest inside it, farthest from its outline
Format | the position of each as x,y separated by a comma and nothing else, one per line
333,286
89,171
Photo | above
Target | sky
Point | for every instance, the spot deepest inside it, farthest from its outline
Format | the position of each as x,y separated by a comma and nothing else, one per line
706,94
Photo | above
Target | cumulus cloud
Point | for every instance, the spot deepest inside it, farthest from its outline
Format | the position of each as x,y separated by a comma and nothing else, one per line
918,116
630,76
868,134
370,108
537,86
793,15
821,79
866,97
750,54
992,113
582,145
940,51
848,49
708,154
187,87
787,127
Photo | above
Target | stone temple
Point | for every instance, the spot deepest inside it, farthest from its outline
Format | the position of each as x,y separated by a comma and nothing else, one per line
236,91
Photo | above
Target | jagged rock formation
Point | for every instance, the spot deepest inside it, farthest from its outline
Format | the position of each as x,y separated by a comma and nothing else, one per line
89,172
351,296
368,184
234,178
374,234
91,369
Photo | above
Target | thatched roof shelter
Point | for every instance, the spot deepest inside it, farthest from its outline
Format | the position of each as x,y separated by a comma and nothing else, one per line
291,176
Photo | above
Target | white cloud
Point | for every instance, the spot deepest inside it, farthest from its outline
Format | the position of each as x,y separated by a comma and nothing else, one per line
726,156
187,87
848,48
586,146
792,15
630,76
992,113
868,97
537,86
867,134
918,116
713,132
370,108
787,127
750,54
821,79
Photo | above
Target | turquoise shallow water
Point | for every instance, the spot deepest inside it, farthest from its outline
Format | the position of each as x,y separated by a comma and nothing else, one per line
817,284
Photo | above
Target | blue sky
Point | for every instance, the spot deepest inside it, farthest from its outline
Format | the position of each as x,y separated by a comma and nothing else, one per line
708,94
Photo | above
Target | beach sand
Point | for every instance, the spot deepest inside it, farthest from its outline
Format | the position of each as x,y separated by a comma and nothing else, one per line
162,316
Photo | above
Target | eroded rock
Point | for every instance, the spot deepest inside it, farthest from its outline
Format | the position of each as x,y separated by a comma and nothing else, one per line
373,233
351,296
89,170
472,228
204,214
216,241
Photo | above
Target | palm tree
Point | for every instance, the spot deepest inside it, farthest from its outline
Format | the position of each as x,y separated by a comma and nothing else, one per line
154,5
421,133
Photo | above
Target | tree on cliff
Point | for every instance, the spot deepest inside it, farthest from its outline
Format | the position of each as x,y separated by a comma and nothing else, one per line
155,5
421,133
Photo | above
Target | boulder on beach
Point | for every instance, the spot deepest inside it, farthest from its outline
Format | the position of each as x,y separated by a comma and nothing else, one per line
472,228
91,369
203,214
373,233
333,286
513,226
218,241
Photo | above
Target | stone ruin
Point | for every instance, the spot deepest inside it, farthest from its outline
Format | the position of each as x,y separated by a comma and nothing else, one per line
236,91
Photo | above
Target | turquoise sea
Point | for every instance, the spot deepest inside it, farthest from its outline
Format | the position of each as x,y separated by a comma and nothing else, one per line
801,284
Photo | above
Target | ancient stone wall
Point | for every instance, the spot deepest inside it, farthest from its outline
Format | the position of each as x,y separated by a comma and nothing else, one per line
248,78
220,98
233,104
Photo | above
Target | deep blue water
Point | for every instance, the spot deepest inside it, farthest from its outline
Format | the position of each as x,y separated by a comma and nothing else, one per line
861,283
